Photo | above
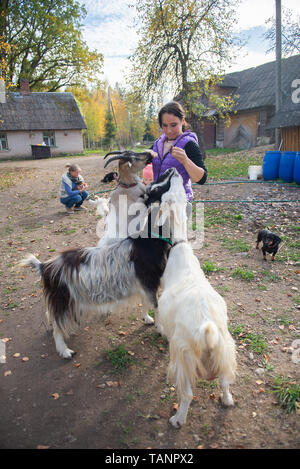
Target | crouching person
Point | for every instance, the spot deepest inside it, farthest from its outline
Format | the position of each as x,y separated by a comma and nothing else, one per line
72,189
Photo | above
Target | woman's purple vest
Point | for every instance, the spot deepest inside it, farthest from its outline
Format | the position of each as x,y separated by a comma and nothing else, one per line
160,164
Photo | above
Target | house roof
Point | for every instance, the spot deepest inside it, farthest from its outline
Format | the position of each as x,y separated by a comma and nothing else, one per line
40,111
256,86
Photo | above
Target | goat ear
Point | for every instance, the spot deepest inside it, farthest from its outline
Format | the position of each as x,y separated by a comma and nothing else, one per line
176,208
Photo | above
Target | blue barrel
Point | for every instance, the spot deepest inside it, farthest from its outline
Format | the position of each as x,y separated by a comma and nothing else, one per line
297,168
271,164
286,166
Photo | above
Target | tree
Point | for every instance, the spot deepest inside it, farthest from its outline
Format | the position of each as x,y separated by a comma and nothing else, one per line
4,46
110,130
290,33
185,45
47,46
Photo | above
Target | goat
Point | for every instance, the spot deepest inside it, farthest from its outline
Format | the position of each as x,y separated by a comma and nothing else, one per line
98,279
191,314
130,190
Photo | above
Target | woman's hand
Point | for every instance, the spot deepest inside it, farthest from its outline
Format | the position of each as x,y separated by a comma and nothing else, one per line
153,153
179,154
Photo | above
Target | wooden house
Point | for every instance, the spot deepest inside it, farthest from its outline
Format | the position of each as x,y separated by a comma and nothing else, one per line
39,118
254,120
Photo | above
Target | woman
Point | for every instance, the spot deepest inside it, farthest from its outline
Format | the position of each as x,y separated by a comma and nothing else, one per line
72,189
178,148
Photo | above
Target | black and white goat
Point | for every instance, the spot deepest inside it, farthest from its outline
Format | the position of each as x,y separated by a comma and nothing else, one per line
119,210
191,314
98,279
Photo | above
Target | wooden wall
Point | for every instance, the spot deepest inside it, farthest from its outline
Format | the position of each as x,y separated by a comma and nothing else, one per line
291,139
242,132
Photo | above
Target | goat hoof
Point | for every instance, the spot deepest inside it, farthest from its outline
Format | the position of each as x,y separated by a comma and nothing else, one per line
175,422
68,354
148,319
227,401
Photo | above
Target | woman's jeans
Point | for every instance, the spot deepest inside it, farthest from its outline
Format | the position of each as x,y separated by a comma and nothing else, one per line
74,199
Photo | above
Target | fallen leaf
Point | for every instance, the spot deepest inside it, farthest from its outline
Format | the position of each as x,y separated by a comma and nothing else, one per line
130,353
175,406
112,384
254,414
42,447
55,396
212,396
292,327
69,393
77,365
25,359
259,381
6,339
122,333
16,355
7,373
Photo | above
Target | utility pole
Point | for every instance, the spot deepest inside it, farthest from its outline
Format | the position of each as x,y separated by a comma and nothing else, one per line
278,69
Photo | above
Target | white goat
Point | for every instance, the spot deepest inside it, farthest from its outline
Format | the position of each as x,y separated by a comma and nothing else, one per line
192,315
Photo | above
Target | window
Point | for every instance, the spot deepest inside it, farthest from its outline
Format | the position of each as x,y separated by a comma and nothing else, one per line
3,142
49,139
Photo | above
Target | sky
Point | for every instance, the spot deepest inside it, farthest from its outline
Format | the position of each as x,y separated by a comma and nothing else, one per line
109,28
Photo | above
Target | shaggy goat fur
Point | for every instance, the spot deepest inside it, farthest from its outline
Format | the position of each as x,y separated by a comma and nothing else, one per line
98,279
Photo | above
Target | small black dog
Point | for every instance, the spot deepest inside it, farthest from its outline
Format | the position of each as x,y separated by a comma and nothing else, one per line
109,177
270,243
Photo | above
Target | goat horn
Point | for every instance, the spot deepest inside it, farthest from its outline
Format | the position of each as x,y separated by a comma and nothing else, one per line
119,157
113,153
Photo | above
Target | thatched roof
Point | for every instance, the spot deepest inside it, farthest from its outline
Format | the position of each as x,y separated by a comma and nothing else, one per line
40,111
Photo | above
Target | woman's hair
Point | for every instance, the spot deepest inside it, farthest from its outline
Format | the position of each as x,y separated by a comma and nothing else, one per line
172,108
73,167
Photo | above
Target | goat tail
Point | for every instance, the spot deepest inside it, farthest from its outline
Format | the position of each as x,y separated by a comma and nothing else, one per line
33,262
207,336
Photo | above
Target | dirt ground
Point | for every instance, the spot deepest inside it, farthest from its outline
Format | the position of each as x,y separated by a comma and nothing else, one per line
47,401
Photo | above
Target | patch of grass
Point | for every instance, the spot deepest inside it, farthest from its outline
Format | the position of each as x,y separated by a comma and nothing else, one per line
215,216
209,267
270,276
287,392
255,341
119,358
244,274
284,320
10,177
230,165
72,230
235,245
